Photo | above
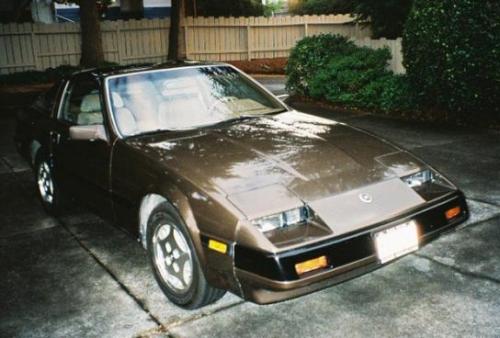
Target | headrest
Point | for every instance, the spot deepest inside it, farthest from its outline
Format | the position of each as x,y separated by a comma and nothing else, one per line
179,86
90,103
126,121
117,100
140,87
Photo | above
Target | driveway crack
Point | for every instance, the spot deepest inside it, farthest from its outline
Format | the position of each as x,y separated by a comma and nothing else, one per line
22,234
166,328
493,204
202,315
461,271
138,301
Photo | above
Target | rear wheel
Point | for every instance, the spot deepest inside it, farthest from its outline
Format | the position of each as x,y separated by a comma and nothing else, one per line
47,188
175,264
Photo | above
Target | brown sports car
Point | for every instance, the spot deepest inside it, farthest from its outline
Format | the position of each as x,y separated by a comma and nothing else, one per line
225,186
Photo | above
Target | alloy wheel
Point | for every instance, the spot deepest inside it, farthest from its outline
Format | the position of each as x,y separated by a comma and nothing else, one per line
45,183
172,257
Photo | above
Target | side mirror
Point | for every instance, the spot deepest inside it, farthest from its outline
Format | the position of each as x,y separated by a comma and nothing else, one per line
88,133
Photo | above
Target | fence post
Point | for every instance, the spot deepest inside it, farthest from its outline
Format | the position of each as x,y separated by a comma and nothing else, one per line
186,44
306,29
34,48
249,42
118,43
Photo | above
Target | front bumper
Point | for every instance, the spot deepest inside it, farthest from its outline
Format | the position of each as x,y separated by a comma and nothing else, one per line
267,277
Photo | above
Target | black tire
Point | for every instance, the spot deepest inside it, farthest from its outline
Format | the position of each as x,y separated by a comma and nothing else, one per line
199,293
53,205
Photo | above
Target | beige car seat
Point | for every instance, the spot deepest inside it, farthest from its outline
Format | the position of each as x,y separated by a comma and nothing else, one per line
90,110
125,120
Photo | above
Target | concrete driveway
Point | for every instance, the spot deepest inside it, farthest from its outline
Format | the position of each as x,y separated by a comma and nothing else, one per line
79,276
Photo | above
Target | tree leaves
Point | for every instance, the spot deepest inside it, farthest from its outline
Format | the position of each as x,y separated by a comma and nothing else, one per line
451,51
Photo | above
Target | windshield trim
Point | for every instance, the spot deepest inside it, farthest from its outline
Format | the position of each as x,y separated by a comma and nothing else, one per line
108,97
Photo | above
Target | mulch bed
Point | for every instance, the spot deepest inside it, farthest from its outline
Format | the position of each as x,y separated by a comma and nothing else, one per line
434,116
262,66
20,95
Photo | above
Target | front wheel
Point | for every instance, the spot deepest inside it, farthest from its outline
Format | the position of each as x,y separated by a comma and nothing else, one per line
175,264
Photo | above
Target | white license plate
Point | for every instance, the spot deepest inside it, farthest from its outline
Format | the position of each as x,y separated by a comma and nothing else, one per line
394,242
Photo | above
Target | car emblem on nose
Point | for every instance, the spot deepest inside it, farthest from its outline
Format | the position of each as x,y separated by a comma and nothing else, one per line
365,197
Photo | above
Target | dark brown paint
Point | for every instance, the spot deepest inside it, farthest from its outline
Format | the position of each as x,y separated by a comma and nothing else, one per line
220,178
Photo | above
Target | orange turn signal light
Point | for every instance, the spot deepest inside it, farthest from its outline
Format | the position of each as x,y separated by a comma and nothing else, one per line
312,264
217,246
452,213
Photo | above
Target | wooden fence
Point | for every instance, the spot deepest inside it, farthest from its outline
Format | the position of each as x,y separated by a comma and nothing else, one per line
39,46
225,39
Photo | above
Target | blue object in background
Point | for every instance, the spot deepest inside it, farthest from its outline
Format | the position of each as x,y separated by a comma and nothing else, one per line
68,14
112,13
156,12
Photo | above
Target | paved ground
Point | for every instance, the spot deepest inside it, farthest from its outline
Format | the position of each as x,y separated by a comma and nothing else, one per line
78,276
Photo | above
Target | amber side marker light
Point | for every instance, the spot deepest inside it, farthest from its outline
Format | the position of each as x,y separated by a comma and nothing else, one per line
452,213
217,246
312,264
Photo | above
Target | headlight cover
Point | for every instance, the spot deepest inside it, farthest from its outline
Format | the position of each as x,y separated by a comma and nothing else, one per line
282,219
418,179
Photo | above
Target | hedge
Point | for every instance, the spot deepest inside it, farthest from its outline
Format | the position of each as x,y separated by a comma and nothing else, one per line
332,68
452,56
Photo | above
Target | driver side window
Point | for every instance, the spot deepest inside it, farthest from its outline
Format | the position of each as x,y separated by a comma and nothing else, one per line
82,103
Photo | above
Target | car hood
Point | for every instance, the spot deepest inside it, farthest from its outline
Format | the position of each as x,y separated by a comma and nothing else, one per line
277,160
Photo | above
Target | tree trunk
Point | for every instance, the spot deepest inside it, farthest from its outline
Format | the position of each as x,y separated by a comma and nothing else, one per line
175,27
92,52
19,9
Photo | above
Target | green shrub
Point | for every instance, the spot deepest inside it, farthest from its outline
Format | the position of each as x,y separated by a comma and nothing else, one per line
310,55
351,76
389,93
345,77
452,55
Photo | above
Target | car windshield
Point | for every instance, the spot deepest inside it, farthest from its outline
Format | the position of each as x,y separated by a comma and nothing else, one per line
185,98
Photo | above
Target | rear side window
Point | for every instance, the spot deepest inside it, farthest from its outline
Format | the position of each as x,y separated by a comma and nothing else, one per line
46,101
82,103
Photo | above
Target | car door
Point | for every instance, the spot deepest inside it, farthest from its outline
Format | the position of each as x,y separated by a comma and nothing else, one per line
82,165
33,122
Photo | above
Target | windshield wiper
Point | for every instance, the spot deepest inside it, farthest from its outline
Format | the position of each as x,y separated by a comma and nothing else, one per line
150,132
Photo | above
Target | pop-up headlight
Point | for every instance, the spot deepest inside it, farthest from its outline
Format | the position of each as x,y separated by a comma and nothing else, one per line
428,184
282,220
418,179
